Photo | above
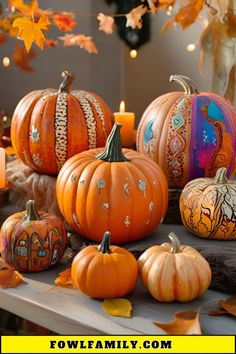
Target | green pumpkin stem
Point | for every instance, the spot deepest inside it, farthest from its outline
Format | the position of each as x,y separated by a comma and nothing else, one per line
175,243
31,211
67,82
105,244
113,151
187,84
220,176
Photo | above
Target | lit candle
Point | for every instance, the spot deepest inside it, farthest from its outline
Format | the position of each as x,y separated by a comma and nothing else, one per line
2,169
127,120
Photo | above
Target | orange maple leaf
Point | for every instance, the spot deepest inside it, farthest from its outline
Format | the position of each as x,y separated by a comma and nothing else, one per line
25,9
64,278
3,38
30,31
134,17
84,42
9,277
21,58
106,23
64,22
189,13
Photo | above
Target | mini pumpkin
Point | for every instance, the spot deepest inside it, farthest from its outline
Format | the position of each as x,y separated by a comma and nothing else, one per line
49,126
104,271
116,189
32,241
207,207
189,134
173,272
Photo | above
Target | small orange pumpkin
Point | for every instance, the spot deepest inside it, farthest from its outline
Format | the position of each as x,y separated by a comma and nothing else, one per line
173,272
104,271
115,189
207,207
31,241
49,126
189,134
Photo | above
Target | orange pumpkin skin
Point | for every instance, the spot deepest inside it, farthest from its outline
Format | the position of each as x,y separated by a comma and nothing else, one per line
172,272
189,134
207,207
104,271
49,126
127,197
32,241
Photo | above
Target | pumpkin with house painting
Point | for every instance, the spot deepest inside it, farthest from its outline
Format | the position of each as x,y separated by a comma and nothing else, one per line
49,126
32,240
189,134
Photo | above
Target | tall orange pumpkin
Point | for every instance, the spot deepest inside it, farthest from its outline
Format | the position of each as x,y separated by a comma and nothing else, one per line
32,241
49,126
115,189
189,134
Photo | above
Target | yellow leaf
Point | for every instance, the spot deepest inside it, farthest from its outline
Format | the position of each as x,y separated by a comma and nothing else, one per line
117,307
26,9
30,31
185,322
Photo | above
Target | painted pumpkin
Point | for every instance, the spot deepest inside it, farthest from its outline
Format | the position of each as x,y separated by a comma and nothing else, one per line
115,189
32,241
207,207
104,271
49,126
189,134
173,272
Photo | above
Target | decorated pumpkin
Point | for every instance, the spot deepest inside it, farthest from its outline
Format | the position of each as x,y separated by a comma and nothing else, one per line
174,272
49,126
115,189
189,134
32,240
207,206
104,271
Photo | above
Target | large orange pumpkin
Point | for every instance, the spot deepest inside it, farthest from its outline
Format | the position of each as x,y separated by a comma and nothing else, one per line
104,271
207,207
115,189
32,241
189,134
49,126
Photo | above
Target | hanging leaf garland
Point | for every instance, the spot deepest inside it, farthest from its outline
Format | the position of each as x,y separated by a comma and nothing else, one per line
22,58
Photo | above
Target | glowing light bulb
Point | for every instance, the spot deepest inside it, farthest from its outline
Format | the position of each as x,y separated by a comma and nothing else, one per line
133,53
6,62
4,118
169,10
191,47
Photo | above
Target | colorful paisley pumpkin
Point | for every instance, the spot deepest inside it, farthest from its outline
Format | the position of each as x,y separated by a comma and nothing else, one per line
172,272
207,206
104,271
32,241
189,134
49,126
118,190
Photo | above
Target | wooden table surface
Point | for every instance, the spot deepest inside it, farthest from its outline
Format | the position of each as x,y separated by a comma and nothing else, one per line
67,311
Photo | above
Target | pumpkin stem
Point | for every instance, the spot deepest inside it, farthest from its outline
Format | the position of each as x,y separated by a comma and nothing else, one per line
67,82
31,211
220,176
187,84
105,244
113,150
175,243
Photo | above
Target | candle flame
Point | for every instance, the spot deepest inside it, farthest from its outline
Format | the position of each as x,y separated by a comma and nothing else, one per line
122,106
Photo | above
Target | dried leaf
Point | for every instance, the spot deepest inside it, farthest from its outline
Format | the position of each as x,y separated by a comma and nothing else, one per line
3,38
153,5
64,22
51,43
30,31
106,24
168,24
217,313
117,307
165,3
185,322
84,42
9,277
21,58
229,305
25,9
134,17
189,13
64,278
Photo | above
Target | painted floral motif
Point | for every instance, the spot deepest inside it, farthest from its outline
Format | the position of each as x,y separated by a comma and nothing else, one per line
127,221
142,186
126,187
101,184
36,159
34,134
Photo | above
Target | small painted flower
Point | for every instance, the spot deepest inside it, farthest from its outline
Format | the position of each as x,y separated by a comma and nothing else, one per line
34,134
36,159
